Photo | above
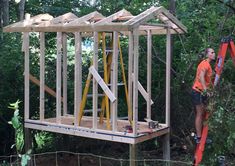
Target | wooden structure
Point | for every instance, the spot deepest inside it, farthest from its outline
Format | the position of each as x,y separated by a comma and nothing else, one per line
154,21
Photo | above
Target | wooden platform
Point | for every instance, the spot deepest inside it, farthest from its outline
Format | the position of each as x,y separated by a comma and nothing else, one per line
85,129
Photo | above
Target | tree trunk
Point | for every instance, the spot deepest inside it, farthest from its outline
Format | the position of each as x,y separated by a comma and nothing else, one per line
5,12
172,6
1,5
21,9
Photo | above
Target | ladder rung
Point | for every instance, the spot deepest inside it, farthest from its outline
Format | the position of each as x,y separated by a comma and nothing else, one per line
118,84
91,110
91,95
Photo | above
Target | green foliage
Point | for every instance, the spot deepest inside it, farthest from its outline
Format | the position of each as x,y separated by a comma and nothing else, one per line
25,158
17,124
221,124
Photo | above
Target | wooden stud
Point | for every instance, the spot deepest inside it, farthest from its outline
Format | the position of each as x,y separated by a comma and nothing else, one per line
26,75
114,81
64,48
77,75
25,49
130,72
58,77
149,72
95,85
42,75
135,80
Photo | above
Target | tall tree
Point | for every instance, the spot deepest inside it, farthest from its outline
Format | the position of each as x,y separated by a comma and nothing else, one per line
5,12
21,9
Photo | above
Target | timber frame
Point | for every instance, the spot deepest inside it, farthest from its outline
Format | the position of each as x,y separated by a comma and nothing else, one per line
153,21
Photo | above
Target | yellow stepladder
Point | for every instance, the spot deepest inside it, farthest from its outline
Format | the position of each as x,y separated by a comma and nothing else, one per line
107,60
107,70
85,92
84,98
105,100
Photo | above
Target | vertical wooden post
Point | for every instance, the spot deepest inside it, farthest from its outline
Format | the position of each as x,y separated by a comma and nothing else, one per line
130,72
25,49
95,85
26,76
132,154
149,73
42,75
114,80
78,75
166,141
135,80
64,46
58,77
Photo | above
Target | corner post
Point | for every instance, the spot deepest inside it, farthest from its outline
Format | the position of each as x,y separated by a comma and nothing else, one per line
166,141
135,80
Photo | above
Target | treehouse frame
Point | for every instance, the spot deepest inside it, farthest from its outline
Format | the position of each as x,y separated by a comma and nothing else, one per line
90,25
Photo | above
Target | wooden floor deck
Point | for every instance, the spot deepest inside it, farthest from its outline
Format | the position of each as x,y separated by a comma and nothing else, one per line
85,129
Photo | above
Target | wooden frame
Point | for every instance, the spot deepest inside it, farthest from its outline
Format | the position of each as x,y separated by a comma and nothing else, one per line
91,25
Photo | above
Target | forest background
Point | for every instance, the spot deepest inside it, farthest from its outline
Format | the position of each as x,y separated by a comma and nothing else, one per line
208,21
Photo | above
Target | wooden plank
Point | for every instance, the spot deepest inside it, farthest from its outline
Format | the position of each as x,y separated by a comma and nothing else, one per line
135,80
143,17
144,93
25,49
114,16
65,18
35,20
46,27
94,27
95,85
91,16
149,73
64,48
114,81
174,20
47,89
26,75
58,77
77,75
130,72
102,84
42,75
168,76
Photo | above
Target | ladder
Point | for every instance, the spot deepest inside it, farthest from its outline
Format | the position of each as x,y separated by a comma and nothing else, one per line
225,44
107,60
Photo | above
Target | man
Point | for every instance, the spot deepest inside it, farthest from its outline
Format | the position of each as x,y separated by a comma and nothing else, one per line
200,88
